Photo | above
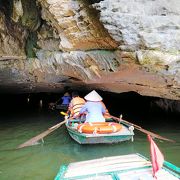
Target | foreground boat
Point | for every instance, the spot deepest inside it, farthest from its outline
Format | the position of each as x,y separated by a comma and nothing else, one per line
126,133
125,167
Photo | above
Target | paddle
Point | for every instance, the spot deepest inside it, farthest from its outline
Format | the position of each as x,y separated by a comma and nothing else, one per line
35,139
141,129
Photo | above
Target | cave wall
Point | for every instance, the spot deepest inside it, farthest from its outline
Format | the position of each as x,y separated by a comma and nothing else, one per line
117,46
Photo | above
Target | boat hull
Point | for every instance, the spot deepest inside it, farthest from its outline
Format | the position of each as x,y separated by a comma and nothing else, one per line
83,138
131,167
61,107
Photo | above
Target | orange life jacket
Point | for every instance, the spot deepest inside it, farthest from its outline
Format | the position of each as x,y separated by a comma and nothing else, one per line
75,105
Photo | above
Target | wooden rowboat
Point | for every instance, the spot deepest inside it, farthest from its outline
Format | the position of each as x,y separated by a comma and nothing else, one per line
54,106
61,107
125,167
126,133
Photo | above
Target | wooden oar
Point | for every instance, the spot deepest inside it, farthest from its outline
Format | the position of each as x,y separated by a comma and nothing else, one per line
35,139
141,129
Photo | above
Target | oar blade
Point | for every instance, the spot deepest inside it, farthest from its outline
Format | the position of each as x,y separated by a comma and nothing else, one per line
35,139
139,128
155,135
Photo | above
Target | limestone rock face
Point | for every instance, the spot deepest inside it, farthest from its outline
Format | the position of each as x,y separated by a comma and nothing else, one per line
76,24
148,29
11,40
166,105
142,24
117,46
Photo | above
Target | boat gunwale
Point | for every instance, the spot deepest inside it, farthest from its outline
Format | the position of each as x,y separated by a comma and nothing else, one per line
173,168
113,174
117,134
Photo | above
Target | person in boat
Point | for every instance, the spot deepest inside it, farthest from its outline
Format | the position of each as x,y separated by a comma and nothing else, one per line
75,105
66,99
106,114
93,107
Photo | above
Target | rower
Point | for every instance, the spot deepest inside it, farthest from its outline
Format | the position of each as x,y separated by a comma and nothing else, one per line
93,107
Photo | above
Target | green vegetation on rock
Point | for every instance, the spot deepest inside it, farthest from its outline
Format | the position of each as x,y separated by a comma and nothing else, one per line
31,45
31,16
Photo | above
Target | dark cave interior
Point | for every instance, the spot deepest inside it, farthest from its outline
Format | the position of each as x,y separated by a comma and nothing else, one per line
132,106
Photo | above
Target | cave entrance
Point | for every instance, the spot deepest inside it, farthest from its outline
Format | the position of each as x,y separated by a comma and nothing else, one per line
131,105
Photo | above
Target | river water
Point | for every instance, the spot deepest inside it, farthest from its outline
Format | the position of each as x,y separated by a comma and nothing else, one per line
42,161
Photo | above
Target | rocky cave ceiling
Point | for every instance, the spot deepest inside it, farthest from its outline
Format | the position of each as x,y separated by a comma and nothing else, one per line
117,46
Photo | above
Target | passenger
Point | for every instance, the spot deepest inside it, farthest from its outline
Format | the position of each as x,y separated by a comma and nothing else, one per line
93,107
106,114
75,105
66,99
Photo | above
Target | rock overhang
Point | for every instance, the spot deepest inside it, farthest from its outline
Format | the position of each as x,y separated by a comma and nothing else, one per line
116,48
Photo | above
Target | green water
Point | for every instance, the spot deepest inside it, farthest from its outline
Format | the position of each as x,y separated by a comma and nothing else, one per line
43,161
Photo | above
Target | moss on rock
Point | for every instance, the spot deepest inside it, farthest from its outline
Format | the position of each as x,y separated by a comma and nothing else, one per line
31,45
31,15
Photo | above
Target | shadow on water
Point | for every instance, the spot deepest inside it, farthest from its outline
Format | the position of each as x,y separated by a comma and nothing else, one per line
21,120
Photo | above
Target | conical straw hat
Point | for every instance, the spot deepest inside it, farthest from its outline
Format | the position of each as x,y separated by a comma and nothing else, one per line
93,96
